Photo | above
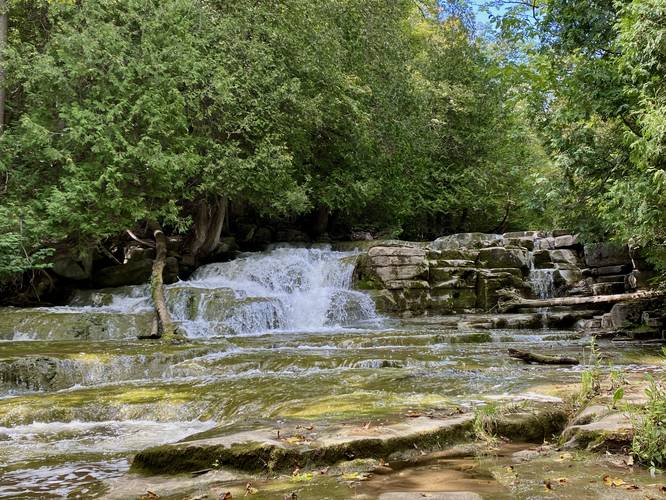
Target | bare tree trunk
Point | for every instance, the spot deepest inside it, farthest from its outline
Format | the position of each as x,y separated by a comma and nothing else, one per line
164,327
3,43
512,300
208,223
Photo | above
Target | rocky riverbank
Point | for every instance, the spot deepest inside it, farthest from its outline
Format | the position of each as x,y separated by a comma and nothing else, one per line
465,273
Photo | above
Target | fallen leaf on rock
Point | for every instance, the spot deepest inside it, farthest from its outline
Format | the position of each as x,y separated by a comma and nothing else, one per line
227,496
250,490
613,482
150,495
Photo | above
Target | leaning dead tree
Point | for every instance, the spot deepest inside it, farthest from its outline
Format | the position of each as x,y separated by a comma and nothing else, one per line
163,326
511,299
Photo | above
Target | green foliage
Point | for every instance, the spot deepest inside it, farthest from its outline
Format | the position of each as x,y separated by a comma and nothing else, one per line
649,444
387,114
484,417
596,91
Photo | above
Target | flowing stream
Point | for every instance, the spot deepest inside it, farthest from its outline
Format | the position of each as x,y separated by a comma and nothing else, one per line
275,336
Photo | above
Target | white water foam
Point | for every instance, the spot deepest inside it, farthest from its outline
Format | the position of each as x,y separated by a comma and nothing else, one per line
308,289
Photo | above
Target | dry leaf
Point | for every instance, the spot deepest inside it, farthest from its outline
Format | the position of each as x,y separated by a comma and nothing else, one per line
366,426
296,471
250,490
613,482
226,496
547,485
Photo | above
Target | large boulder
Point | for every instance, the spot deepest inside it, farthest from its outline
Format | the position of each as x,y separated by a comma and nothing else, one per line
500,257
73,266
606,254
492,280
553,242
564,256
466,240
391,265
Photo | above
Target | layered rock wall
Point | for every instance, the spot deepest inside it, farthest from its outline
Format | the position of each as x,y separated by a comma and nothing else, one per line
463,273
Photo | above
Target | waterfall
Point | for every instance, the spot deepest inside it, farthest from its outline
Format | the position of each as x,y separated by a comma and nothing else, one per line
289,289
283,289
541,280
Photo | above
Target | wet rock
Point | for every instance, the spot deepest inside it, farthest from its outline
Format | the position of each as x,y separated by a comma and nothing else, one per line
542,259
606,254
135,272
607,288
430,495
46,324
447,300
453,277
30,372
536,424
611,432
466,240
500,257
260,450
567,274
490,281
625,315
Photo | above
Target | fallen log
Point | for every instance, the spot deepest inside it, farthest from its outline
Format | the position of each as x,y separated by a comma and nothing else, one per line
511,299
542,359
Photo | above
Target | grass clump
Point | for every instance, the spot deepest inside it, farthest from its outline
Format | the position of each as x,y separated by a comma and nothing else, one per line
649,443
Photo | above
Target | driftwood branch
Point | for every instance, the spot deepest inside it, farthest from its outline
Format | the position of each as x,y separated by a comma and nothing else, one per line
144,242
511,299
542,359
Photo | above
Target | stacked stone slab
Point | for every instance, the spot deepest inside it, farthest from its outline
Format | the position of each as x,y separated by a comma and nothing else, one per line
463,272
454,274
607,268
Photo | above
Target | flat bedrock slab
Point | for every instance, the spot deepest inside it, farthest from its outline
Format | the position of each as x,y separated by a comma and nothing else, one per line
261,449
430,495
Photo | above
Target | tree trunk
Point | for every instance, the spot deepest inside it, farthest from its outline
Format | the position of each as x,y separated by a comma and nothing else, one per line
208,223
542,359
320,223
513,301
163,326
3,43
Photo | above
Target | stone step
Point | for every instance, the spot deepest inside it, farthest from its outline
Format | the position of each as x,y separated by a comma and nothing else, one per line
614,278
607,288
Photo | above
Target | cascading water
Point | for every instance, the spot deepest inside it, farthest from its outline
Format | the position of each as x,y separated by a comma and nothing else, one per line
292,289
541,280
